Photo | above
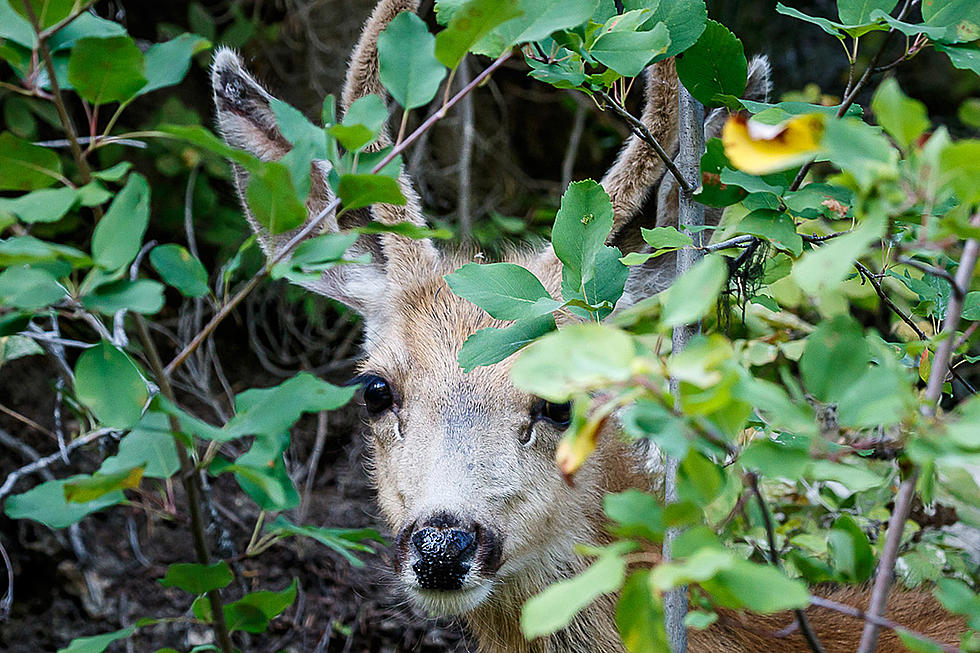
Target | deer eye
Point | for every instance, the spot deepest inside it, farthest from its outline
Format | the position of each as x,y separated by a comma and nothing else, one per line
558,414
377,393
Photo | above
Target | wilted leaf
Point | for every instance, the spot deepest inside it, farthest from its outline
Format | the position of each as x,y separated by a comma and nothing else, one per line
98,485
760,149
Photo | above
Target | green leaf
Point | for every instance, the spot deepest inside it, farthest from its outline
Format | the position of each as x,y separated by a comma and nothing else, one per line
666,238
109,384
119,235
776,227
715,65
850,550
628,53
961,14
860,149
407,63
858,12
48,12
542,17
253,612
636,513
141,296
694,292
273,410
261,473
826,25
93,487
106,70
24,166
86,25
272,198
407,229
362,122
903,118
917,643
150,444
168,63
29,288
504,290
685,21
581,227
97,643
639,616
713,191
179,269
881,397
555,607
48,205
341,540
358,190
470,23
576,358
835,357
759,588
825,268
21,250
492,345
971,306
46,504
197,578
115,173
960,166
855,479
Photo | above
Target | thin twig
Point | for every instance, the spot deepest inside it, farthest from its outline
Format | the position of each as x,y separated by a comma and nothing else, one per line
903,501
191,481
44,463
811,637
313,225
641,132
878,620
574,138
8,598
26,420
95,141
314,462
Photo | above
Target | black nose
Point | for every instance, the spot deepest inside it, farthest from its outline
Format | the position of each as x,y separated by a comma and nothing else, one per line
444,550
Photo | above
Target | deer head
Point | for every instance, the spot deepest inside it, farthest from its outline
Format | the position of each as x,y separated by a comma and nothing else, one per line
464,463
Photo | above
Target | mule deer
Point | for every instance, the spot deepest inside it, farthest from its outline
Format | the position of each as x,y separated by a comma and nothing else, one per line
464,463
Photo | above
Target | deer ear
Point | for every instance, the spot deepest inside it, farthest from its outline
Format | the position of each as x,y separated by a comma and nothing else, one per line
246,121
245,118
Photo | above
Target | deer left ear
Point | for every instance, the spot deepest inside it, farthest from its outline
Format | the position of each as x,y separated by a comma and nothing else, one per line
245,119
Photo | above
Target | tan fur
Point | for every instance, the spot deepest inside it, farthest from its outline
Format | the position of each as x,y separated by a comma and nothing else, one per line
467,443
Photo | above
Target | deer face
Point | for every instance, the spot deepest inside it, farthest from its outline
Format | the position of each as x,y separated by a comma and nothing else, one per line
464,463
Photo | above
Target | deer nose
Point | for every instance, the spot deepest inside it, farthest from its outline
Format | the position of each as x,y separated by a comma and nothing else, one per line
444,550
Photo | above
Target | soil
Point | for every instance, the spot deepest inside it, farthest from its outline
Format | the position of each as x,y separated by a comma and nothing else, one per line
107,578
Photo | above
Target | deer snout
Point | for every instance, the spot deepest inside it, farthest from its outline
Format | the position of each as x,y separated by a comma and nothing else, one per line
443,549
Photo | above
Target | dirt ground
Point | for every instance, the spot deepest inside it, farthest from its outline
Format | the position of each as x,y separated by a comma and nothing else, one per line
102,576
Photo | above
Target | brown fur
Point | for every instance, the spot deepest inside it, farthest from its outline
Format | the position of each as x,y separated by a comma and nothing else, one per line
467,443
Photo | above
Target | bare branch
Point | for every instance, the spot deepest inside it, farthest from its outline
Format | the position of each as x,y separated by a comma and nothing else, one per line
903,501
44,463
884,622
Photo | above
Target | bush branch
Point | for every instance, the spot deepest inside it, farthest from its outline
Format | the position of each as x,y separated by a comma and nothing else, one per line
903,501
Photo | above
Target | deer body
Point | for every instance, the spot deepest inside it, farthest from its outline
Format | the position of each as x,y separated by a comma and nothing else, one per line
464,463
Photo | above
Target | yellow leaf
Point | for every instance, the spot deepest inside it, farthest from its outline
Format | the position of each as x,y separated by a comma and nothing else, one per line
759,149
576,445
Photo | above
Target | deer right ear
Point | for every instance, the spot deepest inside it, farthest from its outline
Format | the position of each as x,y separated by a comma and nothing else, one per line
246,122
